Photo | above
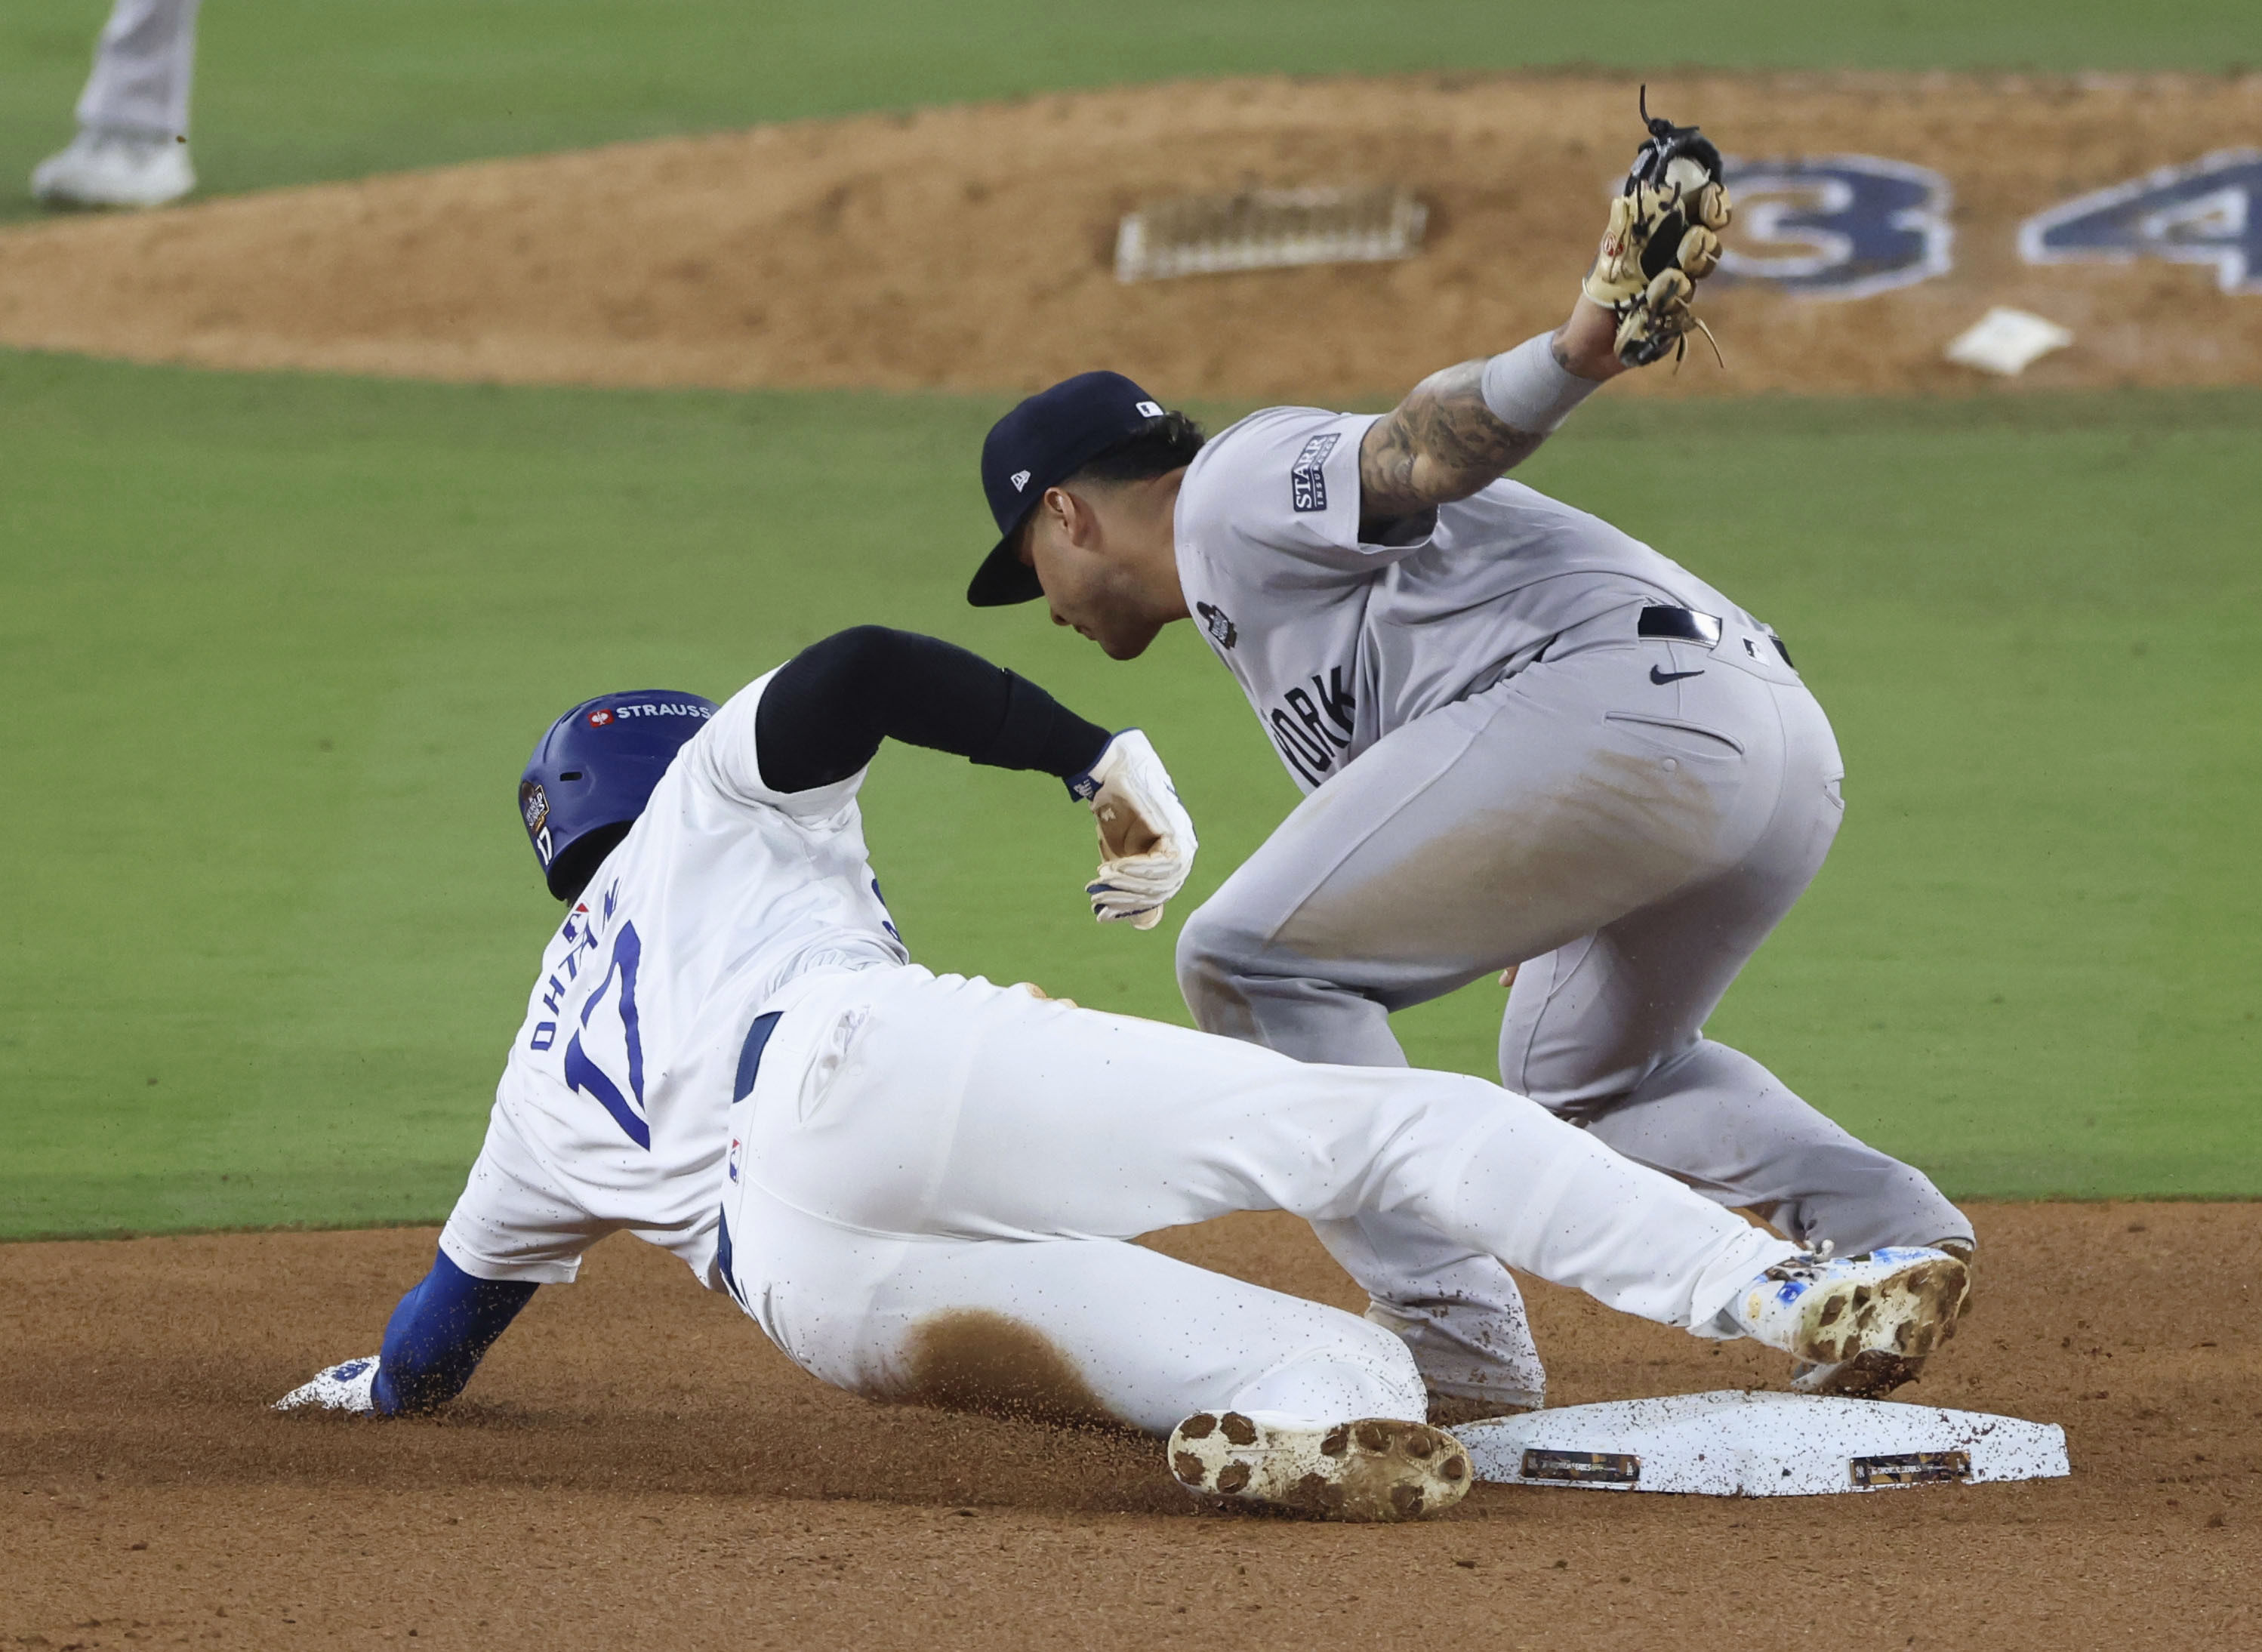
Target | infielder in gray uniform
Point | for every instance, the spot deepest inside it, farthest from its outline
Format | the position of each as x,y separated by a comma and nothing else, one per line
1529,742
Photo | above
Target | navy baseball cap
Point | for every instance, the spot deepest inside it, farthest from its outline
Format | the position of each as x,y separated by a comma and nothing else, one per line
1040,444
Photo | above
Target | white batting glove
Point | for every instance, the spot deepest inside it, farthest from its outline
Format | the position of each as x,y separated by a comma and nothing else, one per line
1146,841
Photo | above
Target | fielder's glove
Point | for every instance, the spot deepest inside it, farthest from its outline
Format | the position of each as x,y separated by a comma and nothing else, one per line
1664,237
1146,841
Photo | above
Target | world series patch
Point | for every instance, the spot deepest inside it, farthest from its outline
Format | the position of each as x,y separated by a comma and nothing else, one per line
1307,479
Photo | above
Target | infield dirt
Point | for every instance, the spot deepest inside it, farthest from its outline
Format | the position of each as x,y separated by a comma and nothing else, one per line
971,248
636,1467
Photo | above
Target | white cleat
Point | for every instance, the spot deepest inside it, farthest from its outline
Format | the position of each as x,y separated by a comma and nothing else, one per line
342,1388
1872,1375
1868,1320
107,168
1378,1469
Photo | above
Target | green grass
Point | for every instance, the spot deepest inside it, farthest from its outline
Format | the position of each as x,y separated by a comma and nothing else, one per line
275,647
291,90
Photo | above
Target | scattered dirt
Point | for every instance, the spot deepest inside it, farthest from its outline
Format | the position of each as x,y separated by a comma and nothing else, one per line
974,1360
970,248
636,1467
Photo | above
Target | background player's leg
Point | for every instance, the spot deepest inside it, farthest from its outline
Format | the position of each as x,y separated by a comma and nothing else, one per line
132,145
1607,1031
143,69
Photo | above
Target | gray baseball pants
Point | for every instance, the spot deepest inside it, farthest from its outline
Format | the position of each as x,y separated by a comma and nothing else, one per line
142,68
1625,819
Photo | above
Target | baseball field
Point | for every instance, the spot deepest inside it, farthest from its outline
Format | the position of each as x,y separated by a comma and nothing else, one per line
512,353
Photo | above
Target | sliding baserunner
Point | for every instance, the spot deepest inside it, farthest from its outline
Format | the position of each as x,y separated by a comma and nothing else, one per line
927,1184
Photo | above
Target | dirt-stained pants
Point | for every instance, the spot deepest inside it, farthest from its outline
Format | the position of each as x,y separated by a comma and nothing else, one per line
1626,821
932,1184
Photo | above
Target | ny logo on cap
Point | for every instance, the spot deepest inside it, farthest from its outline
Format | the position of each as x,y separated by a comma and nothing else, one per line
1020,479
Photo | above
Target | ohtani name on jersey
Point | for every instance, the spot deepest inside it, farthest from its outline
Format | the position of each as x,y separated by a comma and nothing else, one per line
1313,725
582,932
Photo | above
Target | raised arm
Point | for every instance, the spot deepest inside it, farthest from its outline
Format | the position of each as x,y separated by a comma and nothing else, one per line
1472,423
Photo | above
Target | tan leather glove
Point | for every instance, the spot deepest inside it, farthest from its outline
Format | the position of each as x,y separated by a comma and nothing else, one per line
1662,238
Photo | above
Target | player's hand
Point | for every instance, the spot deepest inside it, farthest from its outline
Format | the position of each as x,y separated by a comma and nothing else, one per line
1146,841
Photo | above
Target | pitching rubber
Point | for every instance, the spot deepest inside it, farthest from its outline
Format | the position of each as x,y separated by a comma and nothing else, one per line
1376,1468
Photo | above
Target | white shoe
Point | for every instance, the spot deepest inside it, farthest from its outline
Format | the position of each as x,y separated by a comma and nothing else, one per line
1378,1469
1879,1307
107,168
1874,1374
342,1388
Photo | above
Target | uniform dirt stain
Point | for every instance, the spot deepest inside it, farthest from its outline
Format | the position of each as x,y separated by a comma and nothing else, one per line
972,1360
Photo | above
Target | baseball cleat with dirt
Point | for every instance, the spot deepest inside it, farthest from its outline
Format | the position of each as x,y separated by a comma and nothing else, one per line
1874,1374
1376,1468
1900,1303
342,1388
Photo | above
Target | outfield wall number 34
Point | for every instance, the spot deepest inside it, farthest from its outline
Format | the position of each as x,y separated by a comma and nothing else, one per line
1847,226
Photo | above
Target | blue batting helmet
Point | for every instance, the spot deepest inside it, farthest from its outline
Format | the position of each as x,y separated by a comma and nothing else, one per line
591,773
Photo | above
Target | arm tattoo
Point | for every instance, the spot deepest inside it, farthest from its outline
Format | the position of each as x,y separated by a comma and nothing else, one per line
1439,444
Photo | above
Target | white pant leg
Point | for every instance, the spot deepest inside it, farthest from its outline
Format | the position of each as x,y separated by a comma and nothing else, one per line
1063,1330
898,1107
142,68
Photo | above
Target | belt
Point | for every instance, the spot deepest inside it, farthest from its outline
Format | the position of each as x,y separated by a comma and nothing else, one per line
750,1055
1686,625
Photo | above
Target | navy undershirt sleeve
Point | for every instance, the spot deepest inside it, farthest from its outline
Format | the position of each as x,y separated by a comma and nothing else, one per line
823,715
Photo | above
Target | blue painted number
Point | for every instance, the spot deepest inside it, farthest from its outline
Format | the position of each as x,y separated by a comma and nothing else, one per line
2209,212
1837,225
583,1074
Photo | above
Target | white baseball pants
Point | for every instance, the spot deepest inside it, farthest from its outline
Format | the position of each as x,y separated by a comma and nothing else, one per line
933,1185
142,68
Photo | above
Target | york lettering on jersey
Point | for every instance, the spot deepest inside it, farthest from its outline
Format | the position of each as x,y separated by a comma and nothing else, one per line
1312,726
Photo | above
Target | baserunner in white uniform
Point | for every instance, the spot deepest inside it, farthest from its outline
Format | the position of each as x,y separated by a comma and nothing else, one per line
927,1186
1530,743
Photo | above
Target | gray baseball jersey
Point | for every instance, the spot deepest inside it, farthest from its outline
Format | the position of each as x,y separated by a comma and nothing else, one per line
1336,640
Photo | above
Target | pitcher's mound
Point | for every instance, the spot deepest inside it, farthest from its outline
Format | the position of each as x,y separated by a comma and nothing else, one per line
973,248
